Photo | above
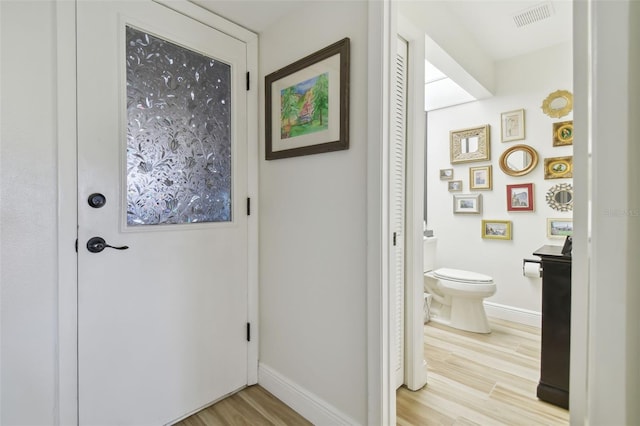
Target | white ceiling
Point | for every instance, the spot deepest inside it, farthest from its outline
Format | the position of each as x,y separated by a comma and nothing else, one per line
489,22
254,15
492,25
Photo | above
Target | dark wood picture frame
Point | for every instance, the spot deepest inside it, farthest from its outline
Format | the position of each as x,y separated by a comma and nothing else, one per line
330,63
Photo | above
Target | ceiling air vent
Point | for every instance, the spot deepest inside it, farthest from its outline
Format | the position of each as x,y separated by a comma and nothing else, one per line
533,14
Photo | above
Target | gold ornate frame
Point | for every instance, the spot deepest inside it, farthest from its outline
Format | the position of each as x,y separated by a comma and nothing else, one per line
558,104
563,133
508,171
558,167
457,139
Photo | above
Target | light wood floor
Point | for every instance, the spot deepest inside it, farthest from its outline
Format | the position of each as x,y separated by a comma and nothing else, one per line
253,406
474,379
480,379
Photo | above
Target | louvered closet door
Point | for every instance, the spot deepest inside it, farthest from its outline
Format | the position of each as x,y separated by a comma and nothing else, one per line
397,187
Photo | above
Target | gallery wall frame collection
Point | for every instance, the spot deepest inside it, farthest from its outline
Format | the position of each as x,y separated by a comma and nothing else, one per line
307,104
473,145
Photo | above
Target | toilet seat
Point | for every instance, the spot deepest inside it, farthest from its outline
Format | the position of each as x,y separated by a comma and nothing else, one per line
460,276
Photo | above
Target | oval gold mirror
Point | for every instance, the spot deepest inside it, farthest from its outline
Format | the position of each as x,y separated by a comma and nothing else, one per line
558,104
560,197
518,160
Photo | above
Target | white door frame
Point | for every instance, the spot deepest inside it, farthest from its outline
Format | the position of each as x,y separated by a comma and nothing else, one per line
383,31
67,361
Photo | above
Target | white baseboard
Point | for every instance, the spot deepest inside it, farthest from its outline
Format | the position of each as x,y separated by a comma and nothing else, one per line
510,313
308,405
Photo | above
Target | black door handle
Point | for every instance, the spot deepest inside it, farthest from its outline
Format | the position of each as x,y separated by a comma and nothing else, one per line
97,244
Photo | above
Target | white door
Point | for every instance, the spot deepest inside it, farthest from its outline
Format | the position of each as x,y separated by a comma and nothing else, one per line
162,136
397,204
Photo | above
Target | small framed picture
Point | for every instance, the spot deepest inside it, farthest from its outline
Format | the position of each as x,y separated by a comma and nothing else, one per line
512,128
559,228
480,177
520,197
467,203
496,229
558,167
563,133
455,186
446,174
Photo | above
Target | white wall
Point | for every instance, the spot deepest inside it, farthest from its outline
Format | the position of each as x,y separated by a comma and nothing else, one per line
28,208
313,235
522,82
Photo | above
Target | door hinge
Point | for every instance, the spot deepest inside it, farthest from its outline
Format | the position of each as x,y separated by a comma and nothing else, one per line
248,80
394,238
248,206
76,245
248,332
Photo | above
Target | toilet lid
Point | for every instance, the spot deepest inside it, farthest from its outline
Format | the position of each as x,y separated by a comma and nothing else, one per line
462,276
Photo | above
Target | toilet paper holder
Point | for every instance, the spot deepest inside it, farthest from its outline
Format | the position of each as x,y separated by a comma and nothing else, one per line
524,263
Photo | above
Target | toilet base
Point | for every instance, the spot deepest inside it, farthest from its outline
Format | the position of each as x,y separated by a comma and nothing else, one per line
465,314
469,315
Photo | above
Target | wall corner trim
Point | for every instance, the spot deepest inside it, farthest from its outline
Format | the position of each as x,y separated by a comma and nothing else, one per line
310,406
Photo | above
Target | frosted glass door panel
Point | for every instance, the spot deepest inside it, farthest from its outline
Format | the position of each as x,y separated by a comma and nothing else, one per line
178,134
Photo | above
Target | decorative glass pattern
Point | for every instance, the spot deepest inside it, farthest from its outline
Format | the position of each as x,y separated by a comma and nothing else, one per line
178,134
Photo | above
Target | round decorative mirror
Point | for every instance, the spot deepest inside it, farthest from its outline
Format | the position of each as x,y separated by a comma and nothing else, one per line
518,160
560,197
558,104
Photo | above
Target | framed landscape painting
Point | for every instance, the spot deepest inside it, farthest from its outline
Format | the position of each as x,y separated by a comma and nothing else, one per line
496,229
559,228
307,104
467,203
520,197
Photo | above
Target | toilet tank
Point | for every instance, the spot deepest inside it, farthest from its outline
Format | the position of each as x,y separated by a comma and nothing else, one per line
429,253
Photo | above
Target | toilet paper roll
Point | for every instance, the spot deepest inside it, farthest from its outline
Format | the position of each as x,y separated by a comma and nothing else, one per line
531,269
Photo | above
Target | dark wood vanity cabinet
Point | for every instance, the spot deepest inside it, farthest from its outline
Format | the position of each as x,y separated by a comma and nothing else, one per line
556,326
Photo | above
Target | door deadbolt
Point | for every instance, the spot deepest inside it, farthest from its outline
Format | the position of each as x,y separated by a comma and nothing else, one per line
97,200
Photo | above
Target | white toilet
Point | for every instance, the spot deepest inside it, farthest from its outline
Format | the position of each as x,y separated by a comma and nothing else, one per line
457,295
